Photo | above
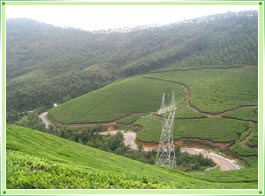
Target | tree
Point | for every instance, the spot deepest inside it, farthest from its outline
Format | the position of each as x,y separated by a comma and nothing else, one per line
66,98
140,147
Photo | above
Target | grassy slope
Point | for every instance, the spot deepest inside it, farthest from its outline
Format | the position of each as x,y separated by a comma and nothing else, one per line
250,113
119,99
211,91
27,171
217,90
64,160
216,129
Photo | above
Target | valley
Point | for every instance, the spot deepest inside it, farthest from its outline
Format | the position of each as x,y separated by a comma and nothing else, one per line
82,107
143,120
217,128
130,140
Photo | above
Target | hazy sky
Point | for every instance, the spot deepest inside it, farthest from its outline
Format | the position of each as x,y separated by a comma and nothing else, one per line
111,17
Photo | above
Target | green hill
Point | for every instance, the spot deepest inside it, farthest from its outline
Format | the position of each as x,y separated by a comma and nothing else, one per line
214,104
47,64
119,99
217,90
40,160
210,90
214,129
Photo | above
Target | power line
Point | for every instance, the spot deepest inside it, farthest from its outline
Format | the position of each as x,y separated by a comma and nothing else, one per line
166,151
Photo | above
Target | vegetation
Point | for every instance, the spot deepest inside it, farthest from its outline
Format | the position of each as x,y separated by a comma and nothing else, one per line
143,95
89,136
252,161
31,120
210,63
245,134
30,172
246,145
215,129
253,142
249,113
65,160
238,148
217,90
47,64
112,143
249,174
129,120
188,162
119,99
115,143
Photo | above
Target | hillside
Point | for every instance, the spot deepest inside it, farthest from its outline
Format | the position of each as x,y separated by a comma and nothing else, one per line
215,106
207,100
119,99
47,64
209,91
71,165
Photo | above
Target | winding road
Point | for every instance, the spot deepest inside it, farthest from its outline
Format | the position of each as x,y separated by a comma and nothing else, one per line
130,137
130,141
222,162
43,117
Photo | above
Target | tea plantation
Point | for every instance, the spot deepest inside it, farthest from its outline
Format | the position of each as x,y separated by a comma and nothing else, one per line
217,90
211,90
71,165
230,93
115,81
120,99
215,129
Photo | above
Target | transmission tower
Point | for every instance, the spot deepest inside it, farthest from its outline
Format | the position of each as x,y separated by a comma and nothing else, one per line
166,151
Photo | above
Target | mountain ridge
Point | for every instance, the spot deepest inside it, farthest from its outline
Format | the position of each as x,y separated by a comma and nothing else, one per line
54,57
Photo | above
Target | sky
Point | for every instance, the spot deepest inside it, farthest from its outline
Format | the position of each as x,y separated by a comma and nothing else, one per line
113,17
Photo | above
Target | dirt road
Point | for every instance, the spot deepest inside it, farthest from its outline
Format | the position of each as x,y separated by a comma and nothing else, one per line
222,162
129,137
130,140
43,117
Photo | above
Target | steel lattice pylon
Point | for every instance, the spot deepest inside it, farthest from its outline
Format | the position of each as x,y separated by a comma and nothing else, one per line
166,151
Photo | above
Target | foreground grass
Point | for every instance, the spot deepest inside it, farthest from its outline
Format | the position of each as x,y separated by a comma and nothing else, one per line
248,174
59,163
27,171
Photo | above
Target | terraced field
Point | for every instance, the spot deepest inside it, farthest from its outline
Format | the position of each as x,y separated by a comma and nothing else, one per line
217,90
26,171
215,129
211,65
228,97
72,165
119,99
217,105
249,113
210,91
